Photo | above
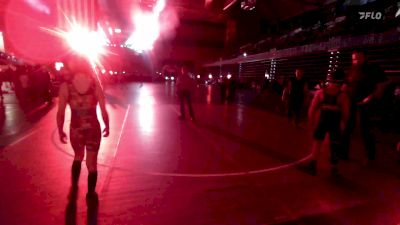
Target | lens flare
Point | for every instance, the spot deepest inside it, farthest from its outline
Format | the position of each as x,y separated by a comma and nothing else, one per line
83,41
39,6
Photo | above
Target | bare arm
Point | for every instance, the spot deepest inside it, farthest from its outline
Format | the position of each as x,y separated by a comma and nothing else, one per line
380,89
314,107
104,113
381,83
62,104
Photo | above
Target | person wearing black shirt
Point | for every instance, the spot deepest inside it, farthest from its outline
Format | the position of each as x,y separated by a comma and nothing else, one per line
365,85
297,92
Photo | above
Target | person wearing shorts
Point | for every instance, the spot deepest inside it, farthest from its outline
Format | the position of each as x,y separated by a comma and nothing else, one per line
328,113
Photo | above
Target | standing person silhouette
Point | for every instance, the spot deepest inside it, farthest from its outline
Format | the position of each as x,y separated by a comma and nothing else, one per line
297,91
82,93
185,85
365,85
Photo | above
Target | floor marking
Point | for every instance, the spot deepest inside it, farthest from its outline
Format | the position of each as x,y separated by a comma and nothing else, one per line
244,173
108,178
192,175
22,138
122,129
210,141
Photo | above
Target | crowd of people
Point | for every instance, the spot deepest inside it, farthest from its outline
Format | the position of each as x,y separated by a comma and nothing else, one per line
344,99
31,84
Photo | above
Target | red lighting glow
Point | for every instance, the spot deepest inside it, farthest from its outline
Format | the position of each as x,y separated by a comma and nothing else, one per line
23,24
85,42
42,31
147,28
80,39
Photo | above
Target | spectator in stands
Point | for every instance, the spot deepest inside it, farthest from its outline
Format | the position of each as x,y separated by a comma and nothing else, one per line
365,85
185,85
328,113
297,91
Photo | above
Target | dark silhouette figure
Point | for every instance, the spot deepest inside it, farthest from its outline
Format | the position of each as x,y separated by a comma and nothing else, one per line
185,86
232,90
297,90
365,86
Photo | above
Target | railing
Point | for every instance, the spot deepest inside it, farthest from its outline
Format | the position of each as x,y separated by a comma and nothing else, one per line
316,59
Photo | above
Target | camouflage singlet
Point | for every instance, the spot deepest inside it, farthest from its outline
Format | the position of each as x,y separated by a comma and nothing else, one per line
85,128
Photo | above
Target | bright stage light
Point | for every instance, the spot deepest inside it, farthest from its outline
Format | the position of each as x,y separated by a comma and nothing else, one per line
85,42
59,65
147,29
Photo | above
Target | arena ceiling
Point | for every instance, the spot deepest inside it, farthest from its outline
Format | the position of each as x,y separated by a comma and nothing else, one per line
208,10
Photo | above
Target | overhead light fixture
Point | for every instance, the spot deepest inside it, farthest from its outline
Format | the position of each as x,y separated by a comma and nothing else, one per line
248,4
229,4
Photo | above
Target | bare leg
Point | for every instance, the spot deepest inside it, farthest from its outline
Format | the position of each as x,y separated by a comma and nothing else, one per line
91,161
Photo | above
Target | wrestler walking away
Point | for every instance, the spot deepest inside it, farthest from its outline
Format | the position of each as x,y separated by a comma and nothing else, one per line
82,92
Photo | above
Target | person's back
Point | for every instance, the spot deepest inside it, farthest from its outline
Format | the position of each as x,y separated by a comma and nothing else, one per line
83,102
297,88
328,113
185,82
82,93
330,108
185,85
